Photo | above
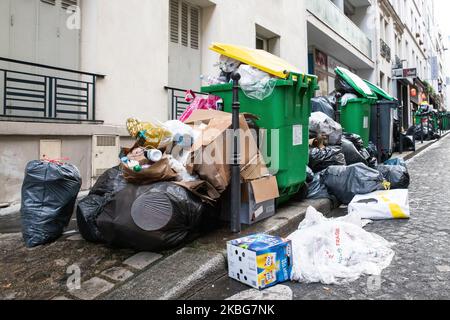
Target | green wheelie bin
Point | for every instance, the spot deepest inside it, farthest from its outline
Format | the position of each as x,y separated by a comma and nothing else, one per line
283,121
355,116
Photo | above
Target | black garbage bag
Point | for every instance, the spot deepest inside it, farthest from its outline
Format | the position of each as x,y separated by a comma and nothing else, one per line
344,182
355,139
320,159
408,143
309,175
372,163
373,150
317,188
89,208
397,175
351,154
343,87
151,218
322,104
418,130
49,193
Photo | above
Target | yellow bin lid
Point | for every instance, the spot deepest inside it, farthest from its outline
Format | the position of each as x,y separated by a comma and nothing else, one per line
260,59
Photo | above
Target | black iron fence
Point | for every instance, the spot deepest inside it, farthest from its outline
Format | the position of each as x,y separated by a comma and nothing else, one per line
38,91
177,101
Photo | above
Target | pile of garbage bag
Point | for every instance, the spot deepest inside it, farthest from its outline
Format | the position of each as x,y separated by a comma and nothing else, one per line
425,132
321,125
322,158
324,105
49,192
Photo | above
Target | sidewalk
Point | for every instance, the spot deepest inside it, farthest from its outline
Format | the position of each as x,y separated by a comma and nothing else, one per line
43,272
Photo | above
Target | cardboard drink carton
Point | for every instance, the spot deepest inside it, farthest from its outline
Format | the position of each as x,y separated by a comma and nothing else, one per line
260,260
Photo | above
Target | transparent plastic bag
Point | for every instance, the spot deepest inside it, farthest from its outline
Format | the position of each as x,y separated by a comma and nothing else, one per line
322,125
336,251
256,84
149,135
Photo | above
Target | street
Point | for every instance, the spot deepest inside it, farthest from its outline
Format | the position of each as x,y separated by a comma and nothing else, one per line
421,266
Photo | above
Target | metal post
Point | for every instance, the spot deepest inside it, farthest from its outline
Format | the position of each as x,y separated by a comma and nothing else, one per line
400,126
235,167
421,129
379,148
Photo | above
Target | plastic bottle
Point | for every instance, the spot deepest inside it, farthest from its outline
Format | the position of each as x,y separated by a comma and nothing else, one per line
154,155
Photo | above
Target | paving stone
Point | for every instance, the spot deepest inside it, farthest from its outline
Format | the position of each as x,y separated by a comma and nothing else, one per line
118,274
443,268
92,288
61,298
142,260
76,237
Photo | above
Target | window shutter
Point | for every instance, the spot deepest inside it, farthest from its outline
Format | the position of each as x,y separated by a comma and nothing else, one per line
195,26
184,24
52,2
174,20
67,3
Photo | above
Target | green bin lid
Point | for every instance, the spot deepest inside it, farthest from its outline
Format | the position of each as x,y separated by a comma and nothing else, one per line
380,92
355,82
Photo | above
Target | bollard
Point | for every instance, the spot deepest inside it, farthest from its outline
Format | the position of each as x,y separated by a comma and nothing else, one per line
235,166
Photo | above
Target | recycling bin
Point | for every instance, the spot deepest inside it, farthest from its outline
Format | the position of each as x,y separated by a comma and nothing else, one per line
283,122
355,115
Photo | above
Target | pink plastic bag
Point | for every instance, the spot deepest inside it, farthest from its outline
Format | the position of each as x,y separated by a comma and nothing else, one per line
198,103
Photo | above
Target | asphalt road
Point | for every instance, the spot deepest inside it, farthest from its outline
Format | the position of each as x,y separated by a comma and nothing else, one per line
421,266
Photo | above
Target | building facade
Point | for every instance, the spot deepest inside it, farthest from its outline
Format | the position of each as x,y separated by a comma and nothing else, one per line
73,71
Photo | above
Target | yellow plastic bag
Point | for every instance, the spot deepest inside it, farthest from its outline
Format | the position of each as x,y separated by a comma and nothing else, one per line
149,135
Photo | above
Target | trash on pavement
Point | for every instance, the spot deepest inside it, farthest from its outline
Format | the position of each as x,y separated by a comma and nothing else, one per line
199,103
90,207
309,175
260,260
381,205
322,104
256,84
351,154
336,251
397,176
320,159
345,182
153,217
322,125
257,201
395,162
49,192
318,190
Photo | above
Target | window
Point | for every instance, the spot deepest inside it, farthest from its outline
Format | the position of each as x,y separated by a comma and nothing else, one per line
261,44
184,24
267,40
67,3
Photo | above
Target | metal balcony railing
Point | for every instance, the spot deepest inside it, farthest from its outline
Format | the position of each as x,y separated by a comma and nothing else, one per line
43,92
329,14
178,102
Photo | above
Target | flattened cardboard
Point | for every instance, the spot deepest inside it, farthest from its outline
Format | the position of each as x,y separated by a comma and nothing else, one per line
265,189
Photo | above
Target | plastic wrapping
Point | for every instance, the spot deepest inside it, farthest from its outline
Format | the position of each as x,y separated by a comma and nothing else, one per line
309,175
317,189
322,104
341,86
355,139
152,218
322,125
49,193
398,175
199,103
345,182
149,135
336,251
381,205
256,84
89,208
346,98
320,159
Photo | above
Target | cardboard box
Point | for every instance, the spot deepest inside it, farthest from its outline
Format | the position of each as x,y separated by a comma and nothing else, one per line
260,260
257,201
212,152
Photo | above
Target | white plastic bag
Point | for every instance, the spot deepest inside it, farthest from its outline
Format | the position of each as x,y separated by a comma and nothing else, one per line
347,97
256,84
321,124
381,205
335,251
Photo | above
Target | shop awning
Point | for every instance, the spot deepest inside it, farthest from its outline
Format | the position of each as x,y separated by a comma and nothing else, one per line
260,59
